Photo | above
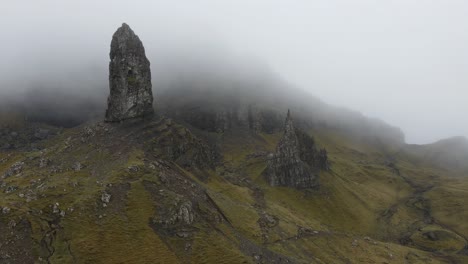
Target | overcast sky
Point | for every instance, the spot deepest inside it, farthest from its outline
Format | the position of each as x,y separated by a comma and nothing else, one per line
403,61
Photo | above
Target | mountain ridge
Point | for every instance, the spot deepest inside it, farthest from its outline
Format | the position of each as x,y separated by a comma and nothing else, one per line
219,175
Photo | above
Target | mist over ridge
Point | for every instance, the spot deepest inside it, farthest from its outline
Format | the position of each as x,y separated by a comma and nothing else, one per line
192,79
406,67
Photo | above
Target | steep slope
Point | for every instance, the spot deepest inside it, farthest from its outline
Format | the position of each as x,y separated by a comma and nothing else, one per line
154,191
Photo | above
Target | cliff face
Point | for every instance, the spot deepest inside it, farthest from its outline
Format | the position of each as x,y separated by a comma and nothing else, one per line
221,119
316,158
296,162
129,78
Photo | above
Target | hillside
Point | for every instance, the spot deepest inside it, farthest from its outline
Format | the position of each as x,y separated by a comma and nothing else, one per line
148,191
227,164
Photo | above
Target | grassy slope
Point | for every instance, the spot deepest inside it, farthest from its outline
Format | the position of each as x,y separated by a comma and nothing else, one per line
352,197
346,213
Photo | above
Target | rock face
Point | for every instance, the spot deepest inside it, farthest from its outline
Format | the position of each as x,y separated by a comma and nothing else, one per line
129,78
223,118
296,162
176,143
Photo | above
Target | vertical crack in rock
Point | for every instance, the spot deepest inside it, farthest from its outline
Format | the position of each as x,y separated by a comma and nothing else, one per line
296,162
129,78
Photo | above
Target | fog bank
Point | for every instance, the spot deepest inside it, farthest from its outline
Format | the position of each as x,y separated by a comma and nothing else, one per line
401,61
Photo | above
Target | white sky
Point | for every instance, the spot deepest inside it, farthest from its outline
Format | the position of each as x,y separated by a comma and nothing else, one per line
403,61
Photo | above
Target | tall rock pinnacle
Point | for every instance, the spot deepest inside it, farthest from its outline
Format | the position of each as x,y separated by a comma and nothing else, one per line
297,161
129,78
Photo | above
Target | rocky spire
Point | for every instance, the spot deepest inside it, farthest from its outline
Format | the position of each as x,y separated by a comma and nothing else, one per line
289,126
129,78
296,162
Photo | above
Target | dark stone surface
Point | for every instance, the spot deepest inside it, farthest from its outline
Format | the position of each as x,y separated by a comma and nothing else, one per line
129,78
296,162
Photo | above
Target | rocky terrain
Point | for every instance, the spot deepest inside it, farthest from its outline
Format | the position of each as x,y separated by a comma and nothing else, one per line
224,179
154,190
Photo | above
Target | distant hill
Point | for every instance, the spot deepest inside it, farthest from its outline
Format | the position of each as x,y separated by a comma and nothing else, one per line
450,154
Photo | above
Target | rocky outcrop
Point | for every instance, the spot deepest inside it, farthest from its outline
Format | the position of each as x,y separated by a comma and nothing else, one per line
296,162
316,158
129,78
26,137
176,143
